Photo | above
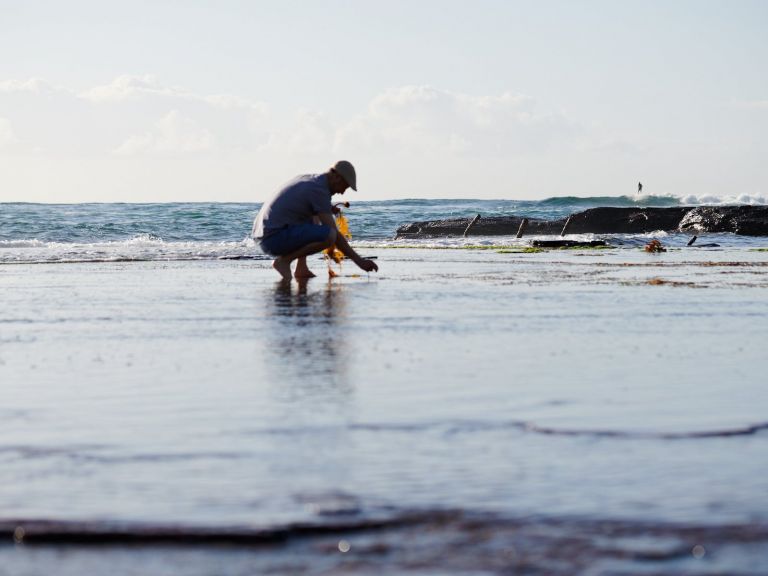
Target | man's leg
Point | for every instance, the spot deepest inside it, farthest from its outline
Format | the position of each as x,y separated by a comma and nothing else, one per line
302,271
283,267
283,263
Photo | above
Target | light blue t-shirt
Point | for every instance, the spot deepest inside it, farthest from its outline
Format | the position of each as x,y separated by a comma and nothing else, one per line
296,203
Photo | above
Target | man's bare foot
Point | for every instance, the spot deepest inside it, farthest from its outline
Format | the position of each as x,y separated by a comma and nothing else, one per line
302,271
283,266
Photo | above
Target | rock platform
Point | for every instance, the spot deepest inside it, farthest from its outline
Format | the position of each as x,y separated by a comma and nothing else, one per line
746,220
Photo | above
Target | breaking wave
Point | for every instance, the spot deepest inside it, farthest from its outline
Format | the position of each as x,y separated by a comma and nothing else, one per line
642,200
143,247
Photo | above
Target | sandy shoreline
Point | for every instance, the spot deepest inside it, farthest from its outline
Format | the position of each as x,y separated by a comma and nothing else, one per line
595,411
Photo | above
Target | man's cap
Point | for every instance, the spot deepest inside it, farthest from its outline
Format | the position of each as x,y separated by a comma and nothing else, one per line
346,171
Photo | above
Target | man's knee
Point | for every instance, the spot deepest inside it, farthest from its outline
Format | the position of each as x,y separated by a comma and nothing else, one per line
330,240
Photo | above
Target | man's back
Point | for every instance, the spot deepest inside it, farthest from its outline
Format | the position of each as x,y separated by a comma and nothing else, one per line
296,203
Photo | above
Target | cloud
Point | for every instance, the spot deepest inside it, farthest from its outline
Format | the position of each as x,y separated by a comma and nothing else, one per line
304,132
128,88
415,121
123,116
30,85
7,136
753,104
613,145
437,139
231,121
174,133
426,120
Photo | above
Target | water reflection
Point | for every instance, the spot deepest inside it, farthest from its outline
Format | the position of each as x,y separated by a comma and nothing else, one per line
307,352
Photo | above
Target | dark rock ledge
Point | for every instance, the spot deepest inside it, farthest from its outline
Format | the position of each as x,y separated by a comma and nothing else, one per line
746,220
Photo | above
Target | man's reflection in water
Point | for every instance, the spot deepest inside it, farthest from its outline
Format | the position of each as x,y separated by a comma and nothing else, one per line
306,352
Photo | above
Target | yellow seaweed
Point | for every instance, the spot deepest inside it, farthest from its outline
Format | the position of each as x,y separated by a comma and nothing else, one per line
333,254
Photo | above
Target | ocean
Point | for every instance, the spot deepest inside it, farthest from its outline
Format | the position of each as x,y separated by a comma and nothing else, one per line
168,407
177,231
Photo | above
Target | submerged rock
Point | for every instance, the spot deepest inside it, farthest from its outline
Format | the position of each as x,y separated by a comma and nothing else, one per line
569,244
746,220
485,226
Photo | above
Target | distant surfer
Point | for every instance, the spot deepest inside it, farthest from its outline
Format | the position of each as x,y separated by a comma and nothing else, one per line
298,221
639,188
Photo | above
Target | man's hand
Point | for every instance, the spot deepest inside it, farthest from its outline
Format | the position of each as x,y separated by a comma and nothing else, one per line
335,208
368,265
345,248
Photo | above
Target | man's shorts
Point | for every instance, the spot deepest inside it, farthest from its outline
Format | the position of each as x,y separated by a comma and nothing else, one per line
291,238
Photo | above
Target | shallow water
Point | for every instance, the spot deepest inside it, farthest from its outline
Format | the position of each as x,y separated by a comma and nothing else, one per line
438,371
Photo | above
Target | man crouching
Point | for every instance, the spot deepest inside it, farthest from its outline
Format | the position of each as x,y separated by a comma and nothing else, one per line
298,221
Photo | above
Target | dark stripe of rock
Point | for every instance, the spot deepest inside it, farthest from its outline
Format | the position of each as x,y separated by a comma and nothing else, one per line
485,226
746,220
626,220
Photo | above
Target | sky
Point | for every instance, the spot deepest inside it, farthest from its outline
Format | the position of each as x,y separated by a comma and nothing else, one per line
184,100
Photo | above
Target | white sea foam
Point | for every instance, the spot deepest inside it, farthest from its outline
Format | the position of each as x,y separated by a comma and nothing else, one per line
33,243
712,200
140,247
144,240
700,199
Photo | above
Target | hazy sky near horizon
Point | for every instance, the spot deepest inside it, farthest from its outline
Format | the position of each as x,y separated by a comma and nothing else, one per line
223,101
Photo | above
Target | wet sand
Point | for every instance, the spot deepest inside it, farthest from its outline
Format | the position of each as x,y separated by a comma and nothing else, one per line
437,543
462,411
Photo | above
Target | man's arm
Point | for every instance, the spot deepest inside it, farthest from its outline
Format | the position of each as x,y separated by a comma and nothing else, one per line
346,249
